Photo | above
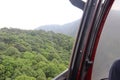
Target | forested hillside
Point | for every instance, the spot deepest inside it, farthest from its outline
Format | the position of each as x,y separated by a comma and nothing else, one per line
33,54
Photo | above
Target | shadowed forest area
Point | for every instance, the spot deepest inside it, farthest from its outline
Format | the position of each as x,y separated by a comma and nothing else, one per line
33,54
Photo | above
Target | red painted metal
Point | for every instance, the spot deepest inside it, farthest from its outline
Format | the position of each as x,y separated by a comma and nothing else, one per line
89,74
93,18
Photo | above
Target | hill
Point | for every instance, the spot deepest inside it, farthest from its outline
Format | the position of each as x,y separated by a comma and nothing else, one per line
72,28
68,29
33,55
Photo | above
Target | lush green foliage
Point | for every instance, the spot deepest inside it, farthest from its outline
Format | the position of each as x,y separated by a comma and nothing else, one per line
33,54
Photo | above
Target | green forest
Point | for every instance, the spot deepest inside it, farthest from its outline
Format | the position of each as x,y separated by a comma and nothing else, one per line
33,54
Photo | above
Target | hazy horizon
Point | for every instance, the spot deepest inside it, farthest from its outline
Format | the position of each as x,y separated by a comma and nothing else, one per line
30,14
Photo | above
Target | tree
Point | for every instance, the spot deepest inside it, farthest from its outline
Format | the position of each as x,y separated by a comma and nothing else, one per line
2,72
40,75
28,71
20,47
40,57
8,62
51,70
24,77
12,51
2,46
28,55
16,73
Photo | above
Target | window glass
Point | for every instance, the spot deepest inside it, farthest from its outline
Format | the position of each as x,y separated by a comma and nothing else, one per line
36,38
109,45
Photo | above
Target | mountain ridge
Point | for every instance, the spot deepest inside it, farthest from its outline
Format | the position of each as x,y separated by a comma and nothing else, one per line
72,27
67,28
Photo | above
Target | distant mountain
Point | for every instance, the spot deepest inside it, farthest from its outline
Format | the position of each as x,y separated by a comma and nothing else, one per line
68,29
72,28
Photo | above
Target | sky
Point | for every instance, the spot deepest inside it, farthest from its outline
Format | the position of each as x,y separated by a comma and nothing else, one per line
116,5
30,14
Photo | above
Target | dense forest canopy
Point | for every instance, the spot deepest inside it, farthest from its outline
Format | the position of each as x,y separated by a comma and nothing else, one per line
33,54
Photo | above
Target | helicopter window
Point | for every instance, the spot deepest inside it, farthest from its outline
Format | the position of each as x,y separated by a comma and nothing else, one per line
109,45
36,38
